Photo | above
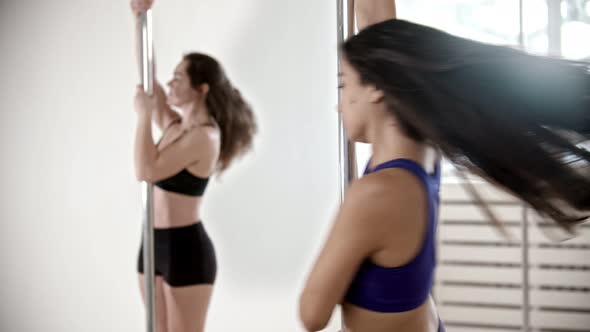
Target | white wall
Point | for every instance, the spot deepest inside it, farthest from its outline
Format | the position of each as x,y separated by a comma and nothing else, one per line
70,207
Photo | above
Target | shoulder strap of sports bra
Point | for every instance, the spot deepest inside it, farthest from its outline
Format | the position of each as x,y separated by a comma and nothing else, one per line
410,165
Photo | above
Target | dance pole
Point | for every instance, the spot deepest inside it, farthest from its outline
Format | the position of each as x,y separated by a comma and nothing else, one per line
347,158
147,80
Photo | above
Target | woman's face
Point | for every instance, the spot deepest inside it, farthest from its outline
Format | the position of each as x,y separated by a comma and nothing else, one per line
358,102
181,92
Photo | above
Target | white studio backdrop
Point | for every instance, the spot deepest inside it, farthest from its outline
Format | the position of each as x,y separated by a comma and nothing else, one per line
71,208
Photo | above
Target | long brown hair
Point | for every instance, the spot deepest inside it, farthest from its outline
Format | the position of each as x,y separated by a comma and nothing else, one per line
226,106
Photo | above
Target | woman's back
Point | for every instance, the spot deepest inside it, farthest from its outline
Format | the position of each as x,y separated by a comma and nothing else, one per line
391,289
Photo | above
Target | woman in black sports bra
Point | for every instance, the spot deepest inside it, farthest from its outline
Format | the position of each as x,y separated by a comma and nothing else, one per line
212,127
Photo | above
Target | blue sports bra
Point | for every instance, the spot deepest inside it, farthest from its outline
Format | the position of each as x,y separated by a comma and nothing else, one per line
397,289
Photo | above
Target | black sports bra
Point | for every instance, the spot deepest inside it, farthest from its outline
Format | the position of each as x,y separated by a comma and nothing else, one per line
183,182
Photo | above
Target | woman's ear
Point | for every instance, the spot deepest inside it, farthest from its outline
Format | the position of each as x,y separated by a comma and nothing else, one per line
204,88
375,95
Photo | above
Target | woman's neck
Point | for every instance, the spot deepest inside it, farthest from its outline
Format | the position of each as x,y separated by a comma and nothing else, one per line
194,115
388,142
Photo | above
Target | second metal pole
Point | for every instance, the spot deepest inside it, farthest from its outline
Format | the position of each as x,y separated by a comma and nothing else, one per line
526,300
554,22
525,218
347,156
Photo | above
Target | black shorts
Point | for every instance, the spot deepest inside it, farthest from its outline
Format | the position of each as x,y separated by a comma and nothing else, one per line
183,256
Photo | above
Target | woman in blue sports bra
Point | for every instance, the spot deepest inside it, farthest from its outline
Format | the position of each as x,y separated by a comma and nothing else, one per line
492,110
379,259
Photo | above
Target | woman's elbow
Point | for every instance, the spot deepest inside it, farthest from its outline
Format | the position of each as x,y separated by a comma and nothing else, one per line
312,322
311,314
144,174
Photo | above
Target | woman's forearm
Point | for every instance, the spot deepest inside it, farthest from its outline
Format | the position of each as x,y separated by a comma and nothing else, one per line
145,150
370,12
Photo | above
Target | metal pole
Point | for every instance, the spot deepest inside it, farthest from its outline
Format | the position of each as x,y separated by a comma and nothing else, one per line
147,80
521,25
525,219
554,27
526,302
347,156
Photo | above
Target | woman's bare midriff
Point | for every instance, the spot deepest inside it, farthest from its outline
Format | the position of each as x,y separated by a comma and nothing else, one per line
175,210
422,319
